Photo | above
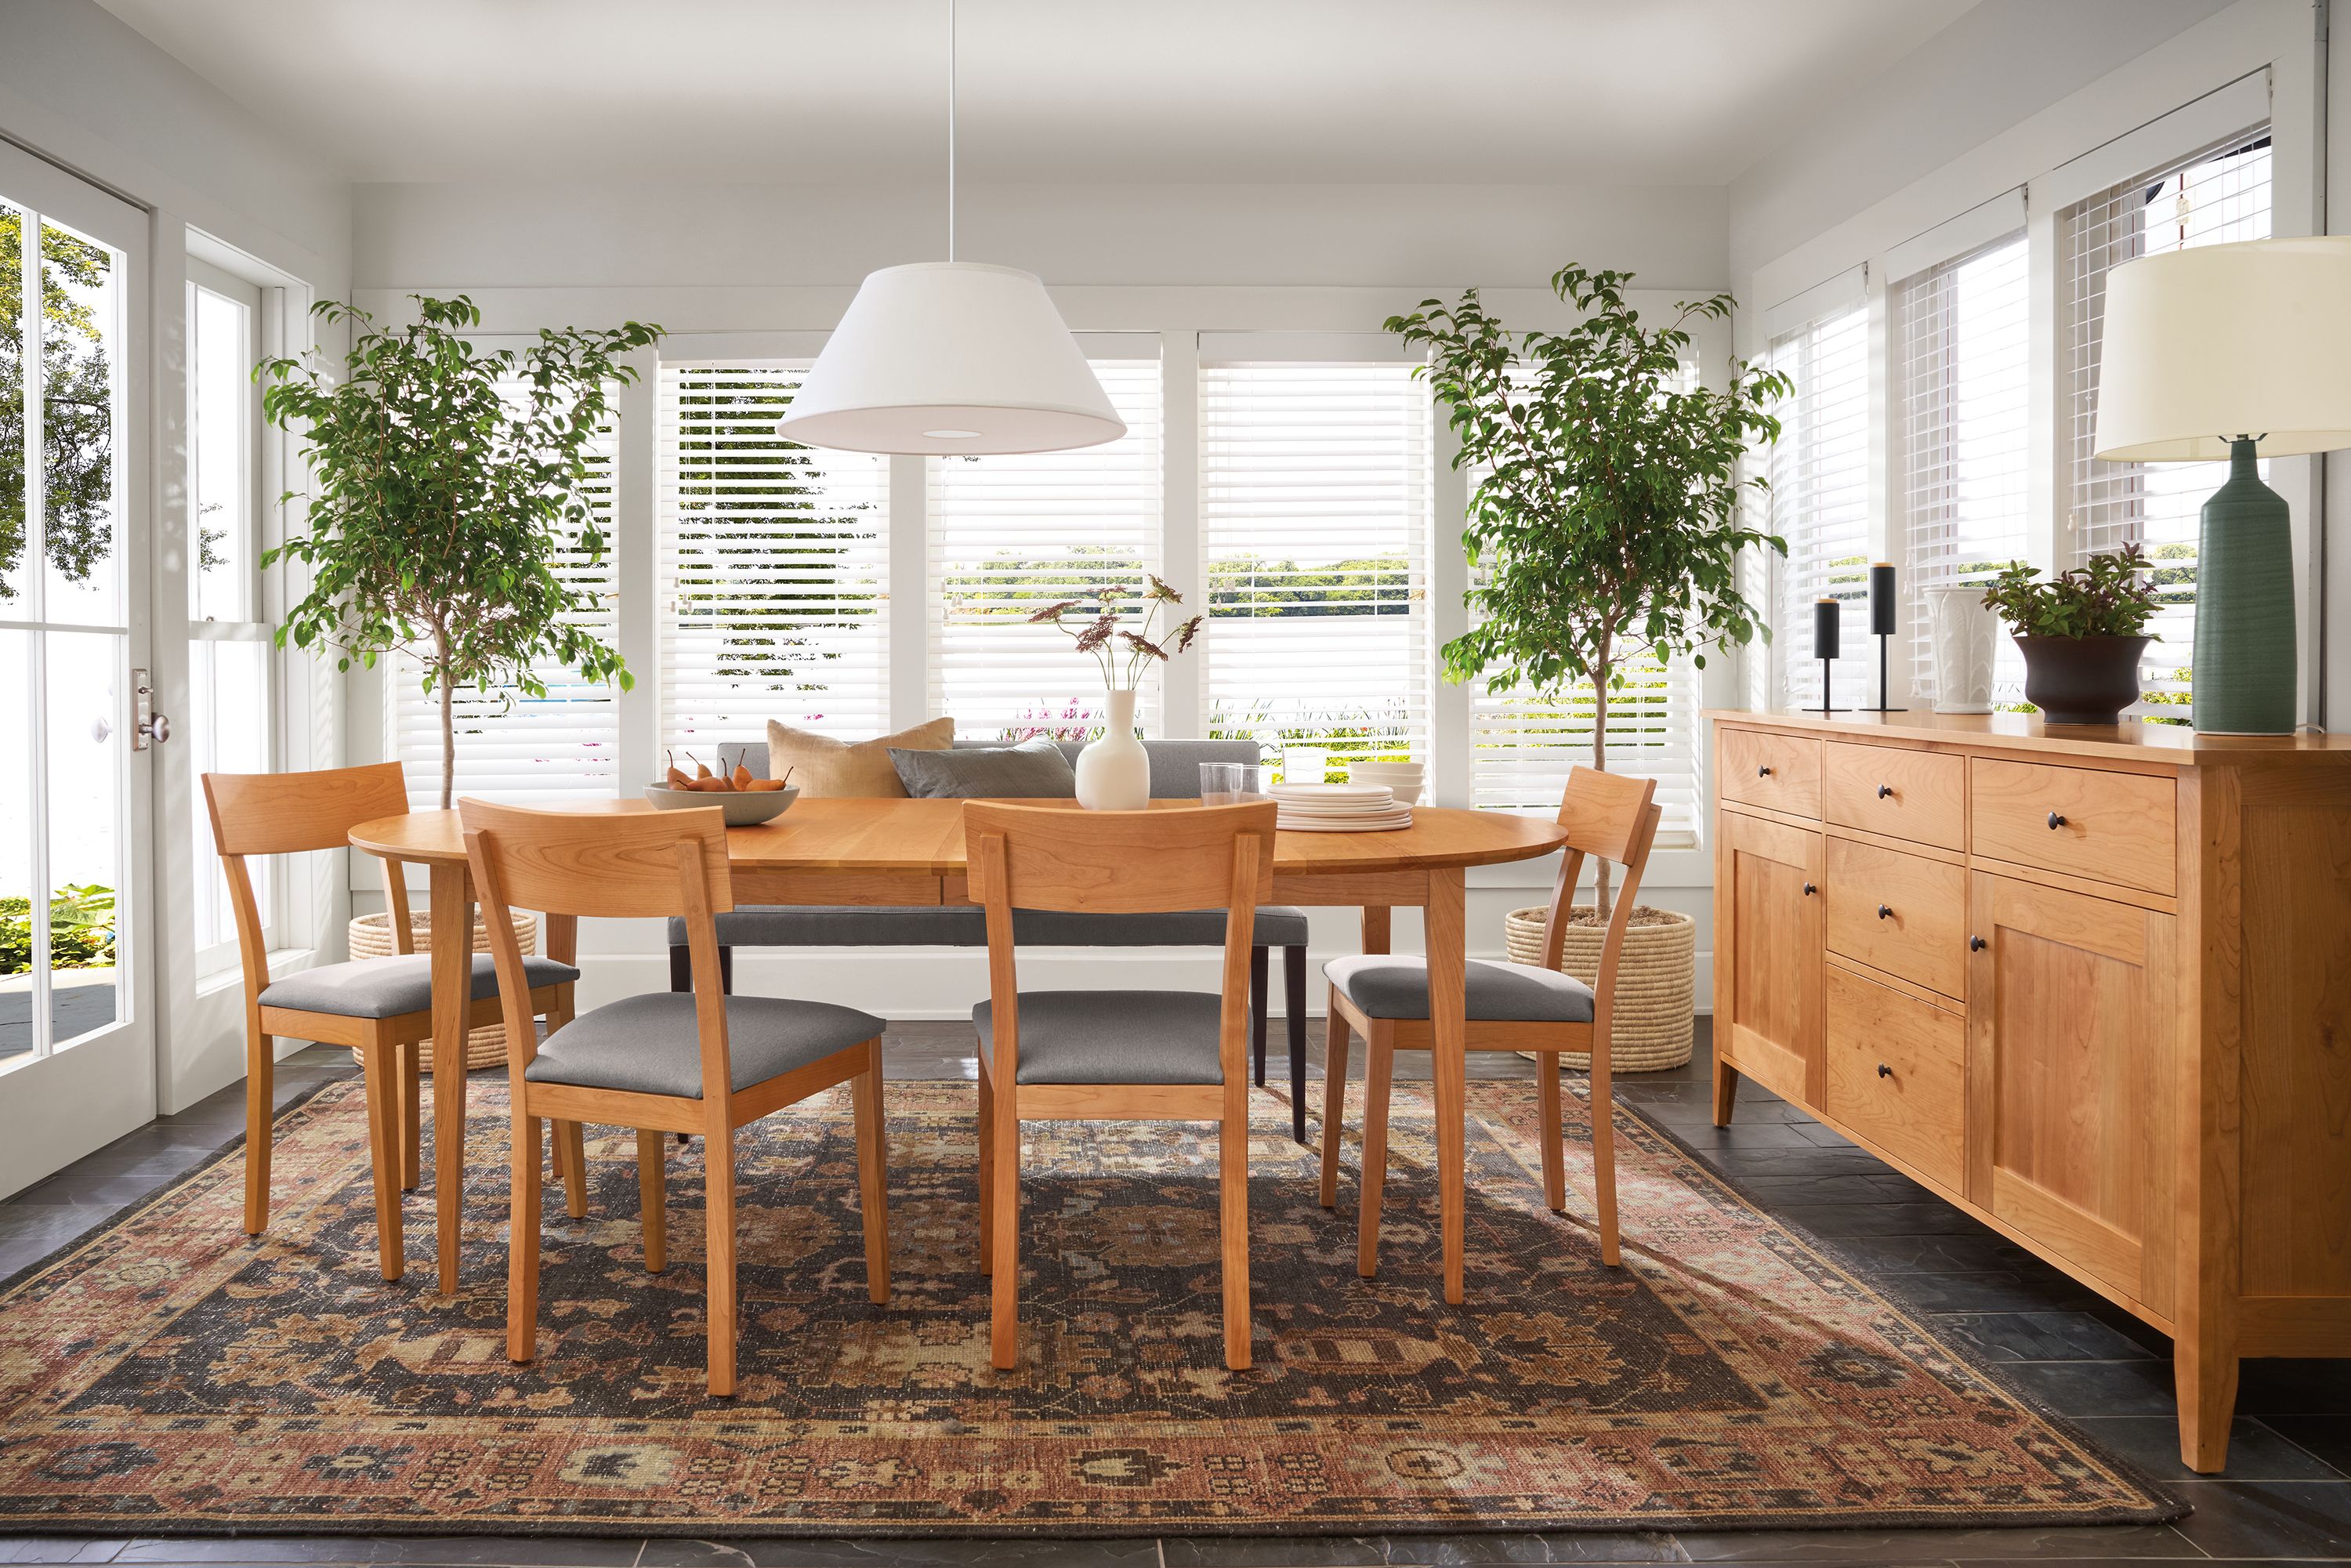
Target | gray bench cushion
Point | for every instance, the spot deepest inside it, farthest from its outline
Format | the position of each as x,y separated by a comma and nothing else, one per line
387,987
1389,988
966,925
1112,1037
651,1045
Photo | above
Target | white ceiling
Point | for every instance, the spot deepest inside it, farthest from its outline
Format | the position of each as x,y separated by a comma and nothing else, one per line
1503,92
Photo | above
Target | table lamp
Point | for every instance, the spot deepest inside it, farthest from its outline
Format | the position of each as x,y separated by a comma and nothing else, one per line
2221,352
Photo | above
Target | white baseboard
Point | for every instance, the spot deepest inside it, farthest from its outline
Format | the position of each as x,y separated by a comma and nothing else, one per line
917,983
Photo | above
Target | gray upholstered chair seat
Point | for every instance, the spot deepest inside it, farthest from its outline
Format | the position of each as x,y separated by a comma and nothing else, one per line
1390,988
652,1045
387,987
1112,1037
966,925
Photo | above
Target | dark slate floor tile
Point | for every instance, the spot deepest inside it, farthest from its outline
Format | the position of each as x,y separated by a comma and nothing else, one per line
2039,1336
384,1551
2270,1521
2293,1387
1968,1253
1137,1553
1991,1290
1350,1552
1933,1217
2097,1387
2327,1437
2256,1452
44,1549
2070,1542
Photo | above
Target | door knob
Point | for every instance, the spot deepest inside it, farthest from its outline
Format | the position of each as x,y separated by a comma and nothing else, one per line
1884,790
1810,890
1884,912
156,728
1884,1071
1764,771
1975,944
2056,822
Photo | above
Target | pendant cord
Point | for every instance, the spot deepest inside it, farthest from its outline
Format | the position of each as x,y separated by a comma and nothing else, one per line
951,129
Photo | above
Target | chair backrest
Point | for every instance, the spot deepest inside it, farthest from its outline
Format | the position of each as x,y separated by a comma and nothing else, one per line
627,865
289,814
1613,817
1175,764
1119,862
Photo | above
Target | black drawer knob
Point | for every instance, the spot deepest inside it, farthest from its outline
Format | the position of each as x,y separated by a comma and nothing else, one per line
1764,771
1884,1071
1975,944
2056,821
1885,912
1885,791
1810,890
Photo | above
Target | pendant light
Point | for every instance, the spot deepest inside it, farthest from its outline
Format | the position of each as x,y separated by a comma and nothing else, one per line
943,357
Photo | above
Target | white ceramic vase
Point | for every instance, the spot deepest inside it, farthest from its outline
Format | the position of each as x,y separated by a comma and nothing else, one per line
1114,771
1965,635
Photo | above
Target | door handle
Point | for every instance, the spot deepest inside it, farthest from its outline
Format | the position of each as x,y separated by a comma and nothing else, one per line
1810,890
147,725
1976,944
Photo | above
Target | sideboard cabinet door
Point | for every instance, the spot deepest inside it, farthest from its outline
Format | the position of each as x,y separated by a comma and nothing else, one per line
1768,898
2072,1026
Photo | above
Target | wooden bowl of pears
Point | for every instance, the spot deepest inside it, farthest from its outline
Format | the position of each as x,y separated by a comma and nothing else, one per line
746,800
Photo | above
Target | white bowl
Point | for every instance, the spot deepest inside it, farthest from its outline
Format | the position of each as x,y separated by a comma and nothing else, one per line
743,808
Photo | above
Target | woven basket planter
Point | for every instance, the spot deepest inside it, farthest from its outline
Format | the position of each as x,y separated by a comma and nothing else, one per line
371,937
1656,981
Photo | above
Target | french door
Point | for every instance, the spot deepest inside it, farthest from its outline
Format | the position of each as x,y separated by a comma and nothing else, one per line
77,1031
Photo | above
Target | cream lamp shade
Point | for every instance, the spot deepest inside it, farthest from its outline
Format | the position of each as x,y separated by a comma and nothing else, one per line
2222,340
941,357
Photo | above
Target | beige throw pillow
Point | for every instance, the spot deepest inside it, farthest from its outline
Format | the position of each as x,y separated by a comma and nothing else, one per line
824,768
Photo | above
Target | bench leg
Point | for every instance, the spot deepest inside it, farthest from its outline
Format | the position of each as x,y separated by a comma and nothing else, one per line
1293,1001
1258,978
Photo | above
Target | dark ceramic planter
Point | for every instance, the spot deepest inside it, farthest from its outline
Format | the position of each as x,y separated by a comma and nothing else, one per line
2080,680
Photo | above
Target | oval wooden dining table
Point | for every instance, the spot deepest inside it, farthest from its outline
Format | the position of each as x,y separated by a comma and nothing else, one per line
911,852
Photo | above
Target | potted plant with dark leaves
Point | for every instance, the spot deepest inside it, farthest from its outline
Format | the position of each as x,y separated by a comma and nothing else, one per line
2081,632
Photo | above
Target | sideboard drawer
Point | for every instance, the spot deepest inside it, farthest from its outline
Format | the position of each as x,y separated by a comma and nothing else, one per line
1906,794
2112,826
1903,914
1780,772
1897,1074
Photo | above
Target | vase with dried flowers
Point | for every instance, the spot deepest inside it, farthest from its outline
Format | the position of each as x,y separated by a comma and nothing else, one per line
1115,626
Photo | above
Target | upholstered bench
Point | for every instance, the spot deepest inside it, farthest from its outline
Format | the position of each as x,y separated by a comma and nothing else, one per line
1174,776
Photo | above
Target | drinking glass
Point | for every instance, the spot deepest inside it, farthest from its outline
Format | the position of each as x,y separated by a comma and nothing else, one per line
1224,783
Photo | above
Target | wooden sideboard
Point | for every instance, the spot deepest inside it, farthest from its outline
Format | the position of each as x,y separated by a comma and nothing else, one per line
2093,984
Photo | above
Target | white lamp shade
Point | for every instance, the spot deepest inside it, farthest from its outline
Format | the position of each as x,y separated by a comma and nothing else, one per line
2224,340
951,357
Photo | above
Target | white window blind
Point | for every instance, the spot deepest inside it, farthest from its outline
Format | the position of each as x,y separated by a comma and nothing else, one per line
2213,198
1315,494
1965,337
1011,535
512,745
1820,502
774,566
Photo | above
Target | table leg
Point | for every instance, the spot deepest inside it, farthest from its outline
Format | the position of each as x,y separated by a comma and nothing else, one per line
453,989
1376,928
1448,1059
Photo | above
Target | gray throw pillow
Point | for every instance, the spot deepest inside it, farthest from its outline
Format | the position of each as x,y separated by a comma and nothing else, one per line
1032,770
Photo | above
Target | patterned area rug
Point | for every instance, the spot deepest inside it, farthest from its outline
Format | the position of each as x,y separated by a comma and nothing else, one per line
173,1375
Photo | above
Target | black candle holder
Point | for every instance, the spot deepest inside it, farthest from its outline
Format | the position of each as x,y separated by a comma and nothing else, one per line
1881,626
1828,623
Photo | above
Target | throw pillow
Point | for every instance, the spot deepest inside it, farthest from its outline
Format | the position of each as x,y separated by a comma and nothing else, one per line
826,768
1033,770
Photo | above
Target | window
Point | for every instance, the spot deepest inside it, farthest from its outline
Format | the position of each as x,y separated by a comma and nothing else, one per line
1010,534
512,745
2212,199
1521,749
773,566
228,640
1315,499
1964,334
1820,501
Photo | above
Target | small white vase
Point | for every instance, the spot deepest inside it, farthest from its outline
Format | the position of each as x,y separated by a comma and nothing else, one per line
1114,771
1965,637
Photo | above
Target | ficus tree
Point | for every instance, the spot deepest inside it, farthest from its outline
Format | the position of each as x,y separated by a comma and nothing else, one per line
76,456
1605,526
446,481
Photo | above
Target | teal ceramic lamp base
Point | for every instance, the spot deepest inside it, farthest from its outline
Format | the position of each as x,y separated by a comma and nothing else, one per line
2242,679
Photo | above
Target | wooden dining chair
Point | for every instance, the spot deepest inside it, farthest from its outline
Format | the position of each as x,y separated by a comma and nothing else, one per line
382,1008
1113,1055
696,1061
1527,1008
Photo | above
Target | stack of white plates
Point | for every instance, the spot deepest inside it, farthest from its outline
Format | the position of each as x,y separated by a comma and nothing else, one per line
1404,777
1338,809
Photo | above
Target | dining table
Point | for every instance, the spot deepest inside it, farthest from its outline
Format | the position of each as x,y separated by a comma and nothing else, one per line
895,852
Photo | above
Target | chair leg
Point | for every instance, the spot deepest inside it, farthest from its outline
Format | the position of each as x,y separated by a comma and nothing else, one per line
522,1239
380,1072
1232,1166
1293,1003
1334,1100
1555,1134
411,1113
652,1198
873,1174
718,1227
260,1065
1603,1146
1004,1316
986,1171
571,1161
1379,1059
1258,977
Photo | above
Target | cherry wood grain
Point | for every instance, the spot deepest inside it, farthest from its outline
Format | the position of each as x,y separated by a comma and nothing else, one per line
1897,1072
1898,791
2114,827
2134,741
